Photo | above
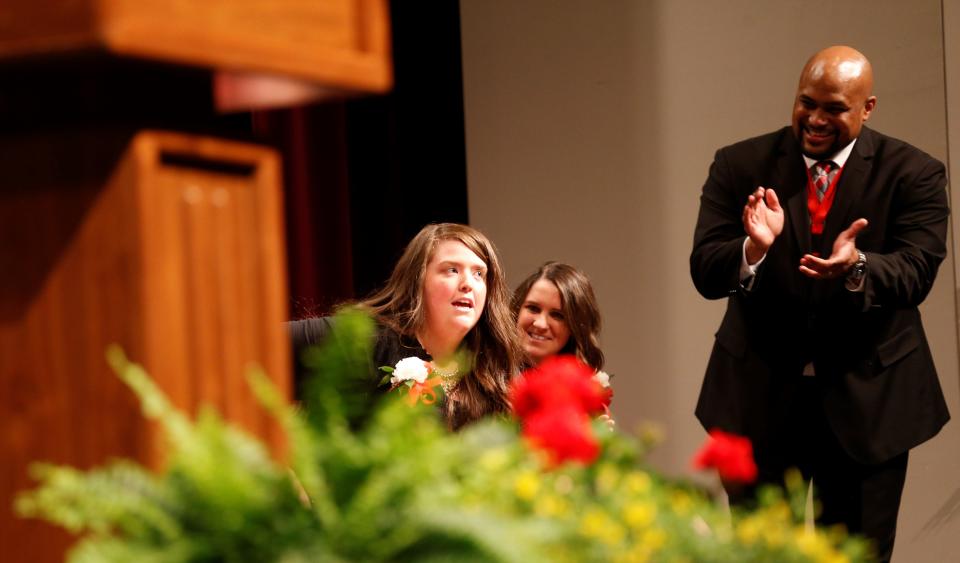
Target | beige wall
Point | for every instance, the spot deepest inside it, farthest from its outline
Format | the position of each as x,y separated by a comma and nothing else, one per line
590,126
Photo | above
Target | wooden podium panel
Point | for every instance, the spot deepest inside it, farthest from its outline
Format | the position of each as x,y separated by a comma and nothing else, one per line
340,43
170,245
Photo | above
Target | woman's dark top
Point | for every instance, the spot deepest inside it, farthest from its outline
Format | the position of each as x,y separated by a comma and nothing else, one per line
389,348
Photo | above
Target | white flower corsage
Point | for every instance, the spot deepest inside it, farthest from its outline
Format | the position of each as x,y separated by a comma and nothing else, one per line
414,373
410,369
603,378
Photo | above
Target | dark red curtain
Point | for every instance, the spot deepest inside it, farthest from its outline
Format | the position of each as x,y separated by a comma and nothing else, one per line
317,207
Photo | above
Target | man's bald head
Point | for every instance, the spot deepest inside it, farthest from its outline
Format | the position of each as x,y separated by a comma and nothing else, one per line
834,98
842,65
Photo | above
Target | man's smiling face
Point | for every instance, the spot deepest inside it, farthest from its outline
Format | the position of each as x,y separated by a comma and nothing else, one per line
833,100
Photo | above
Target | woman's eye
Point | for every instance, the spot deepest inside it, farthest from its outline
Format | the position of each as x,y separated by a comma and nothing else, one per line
533,309
556,315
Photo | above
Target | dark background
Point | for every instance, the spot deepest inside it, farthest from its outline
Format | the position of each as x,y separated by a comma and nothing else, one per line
363,176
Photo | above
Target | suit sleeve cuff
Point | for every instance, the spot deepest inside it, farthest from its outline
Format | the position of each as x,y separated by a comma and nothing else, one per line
748,272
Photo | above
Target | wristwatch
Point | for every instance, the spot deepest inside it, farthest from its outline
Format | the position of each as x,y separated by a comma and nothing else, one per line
857,272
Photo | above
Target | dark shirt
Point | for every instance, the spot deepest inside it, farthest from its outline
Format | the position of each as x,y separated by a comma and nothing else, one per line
389,348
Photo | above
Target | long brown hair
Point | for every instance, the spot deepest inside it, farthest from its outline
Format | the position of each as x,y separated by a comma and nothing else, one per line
492,344
580,309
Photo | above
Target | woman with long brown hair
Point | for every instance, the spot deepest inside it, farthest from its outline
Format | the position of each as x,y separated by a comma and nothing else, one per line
556,313
445,302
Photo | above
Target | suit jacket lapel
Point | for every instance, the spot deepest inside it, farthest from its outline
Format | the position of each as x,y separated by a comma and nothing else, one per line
793,190
850,189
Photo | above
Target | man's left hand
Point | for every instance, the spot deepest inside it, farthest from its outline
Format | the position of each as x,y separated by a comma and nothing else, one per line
844,255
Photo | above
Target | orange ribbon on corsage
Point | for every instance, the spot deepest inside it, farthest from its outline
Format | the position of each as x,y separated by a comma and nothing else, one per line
425,391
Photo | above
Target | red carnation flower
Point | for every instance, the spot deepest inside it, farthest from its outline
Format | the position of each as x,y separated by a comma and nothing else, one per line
564,432
554,402
556,382
731,455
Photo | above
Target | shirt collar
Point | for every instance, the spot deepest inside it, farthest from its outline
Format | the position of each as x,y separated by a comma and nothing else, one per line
839,158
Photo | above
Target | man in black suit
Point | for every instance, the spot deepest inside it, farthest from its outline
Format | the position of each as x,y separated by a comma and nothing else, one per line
825,237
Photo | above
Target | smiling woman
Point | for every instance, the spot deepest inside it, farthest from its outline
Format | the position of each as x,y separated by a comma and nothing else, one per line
557,313
446,302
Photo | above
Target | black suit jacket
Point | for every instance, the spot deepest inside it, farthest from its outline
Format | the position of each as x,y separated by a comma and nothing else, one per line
874,369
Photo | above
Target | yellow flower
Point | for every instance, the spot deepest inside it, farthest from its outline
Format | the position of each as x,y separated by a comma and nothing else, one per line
817,547
779,512
639,515
527,485
551,505
749,530
638,482
653,539
634,555
808,542
681,502
607,477
593,522
773,535
596,524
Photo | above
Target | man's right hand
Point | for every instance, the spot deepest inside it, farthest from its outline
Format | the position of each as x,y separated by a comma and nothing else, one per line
763,222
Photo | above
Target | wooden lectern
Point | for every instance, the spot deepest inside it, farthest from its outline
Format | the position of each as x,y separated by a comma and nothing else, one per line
169,244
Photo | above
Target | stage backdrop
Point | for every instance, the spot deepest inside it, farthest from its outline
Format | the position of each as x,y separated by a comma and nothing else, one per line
590,127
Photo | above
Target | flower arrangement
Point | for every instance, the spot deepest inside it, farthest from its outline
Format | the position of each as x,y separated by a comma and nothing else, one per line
400,488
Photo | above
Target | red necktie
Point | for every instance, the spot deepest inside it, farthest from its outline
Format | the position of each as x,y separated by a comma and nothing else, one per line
823,173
